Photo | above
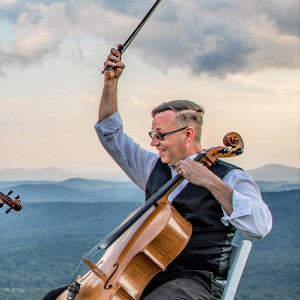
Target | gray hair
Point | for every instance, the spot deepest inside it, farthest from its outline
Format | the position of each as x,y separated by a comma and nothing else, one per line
188,113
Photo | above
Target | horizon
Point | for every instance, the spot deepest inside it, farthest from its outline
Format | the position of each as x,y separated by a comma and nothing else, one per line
267,173
239,60
120,170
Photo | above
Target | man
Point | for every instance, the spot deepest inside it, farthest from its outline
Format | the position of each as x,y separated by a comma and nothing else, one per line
216,201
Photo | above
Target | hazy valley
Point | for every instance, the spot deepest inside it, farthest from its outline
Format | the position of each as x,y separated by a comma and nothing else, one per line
62,220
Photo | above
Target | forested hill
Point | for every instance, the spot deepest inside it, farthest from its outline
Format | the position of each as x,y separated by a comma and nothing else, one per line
274,262
42,245
74,190
87,190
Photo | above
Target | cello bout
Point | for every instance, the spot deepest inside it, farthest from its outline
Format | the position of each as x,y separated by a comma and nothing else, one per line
144,250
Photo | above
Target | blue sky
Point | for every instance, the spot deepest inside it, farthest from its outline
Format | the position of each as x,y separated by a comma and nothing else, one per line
239,59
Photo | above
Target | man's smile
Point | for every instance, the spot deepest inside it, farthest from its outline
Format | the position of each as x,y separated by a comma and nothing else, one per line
161,150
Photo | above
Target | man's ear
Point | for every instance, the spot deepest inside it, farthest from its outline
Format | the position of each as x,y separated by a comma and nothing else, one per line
190,134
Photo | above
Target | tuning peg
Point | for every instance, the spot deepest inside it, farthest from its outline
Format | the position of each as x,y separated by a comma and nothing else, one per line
8,210
238,151
9,193
224,150
1,204
17,197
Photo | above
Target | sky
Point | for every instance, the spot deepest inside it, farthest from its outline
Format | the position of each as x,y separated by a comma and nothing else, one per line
239,59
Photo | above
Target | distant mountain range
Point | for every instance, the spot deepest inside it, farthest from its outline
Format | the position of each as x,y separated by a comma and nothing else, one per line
56,174
276,172
42,245
74,190
90,190
270,173
62,219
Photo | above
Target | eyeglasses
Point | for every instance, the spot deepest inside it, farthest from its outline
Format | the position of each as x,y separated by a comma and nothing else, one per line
161,136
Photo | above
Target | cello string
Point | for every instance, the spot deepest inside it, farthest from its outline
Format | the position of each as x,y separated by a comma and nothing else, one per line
88,256
147,204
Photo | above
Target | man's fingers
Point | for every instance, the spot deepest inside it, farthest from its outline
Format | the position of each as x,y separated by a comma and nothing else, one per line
115,52
113,58
120,65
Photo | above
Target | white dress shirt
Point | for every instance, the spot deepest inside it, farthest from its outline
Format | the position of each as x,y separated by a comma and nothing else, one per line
250,214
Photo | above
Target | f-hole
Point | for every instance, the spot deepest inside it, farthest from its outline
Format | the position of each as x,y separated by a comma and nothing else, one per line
116,266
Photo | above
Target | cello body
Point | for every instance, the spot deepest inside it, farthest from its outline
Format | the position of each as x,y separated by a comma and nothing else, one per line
137,256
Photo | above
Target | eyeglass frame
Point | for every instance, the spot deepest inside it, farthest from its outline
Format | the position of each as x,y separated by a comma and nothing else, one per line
161,136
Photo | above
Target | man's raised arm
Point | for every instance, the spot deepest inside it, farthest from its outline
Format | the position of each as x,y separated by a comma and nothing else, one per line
108,103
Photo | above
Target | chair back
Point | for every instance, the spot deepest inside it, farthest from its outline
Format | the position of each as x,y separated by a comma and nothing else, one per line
237,261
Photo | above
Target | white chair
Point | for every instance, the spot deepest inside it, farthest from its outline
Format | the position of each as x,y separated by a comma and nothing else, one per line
237,261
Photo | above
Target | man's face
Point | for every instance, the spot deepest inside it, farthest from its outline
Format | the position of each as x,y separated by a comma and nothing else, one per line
172,148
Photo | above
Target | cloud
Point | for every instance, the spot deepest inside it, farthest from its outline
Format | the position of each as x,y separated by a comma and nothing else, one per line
5,3
39,31
284,15
213,37
224,37
89,98
135,101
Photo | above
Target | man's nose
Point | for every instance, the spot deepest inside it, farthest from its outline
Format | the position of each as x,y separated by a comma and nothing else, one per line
154,141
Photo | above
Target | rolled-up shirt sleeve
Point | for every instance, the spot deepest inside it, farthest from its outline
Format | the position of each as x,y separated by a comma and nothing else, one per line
135,161
250,214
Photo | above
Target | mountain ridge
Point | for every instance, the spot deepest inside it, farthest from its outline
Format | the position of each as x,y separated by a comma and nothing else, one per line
275,172
269,172
44,242
56,174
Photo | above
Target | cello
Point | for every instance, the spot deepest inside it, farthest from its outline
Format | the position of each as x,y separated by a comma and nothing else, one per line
144,244
14,204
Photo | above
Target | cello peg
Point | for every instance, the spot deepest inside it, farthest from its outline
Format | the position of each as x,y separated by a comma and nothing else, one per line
238,151
224,150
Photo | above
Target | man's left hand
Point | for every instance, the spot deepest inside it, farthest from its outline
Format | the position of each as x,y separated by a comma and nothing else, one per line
194,172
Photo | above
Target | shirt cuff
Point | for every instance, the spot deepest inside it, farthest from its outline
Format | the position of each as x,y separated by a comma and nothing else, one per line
241,207
110,124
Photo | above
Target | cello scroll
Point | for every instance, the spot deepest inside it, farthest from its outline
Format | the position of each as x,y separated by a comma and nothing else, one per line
234,146
12,203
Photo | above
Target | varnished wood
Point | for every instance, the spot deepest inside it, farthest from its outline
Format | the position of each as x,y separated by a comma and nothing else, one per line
147,241
141,252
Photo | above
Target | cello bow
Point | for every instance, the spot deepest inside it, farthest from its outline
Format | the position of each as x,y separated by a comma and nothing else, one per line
134,33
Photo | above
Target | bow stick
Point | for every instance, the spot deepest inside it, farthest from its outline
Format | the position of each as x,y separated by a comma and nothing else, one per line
135,32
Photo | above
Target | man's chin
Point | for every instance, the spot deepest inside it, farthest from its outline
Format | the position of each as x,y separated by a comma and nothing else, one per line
164,160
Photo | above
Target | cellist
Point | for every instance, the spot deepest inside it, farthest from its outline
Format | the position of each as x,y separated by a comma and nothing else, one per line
216,201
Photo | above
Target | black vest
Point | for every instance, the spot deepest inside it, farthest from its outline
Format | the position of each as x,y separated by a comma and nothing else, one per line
210,243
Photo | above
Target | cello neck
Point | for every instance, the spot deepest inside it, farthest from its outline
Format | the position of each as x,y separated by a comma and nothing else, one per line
167,188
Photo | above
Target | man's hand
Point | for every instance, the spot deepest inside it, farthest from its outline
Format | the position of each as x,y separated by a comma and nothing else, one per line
198,174
114,60
108,103
194,172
